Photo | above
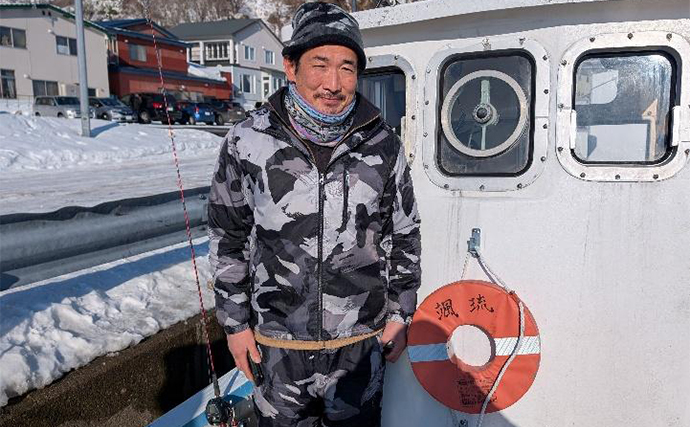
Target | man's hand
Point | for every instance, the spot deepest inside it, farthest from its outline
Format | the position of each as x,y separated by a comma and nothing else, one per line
240,344
397,333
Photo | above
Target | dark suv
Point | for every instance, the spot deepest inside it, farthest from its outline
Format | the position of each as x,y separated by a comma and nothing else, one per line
227,111
150,107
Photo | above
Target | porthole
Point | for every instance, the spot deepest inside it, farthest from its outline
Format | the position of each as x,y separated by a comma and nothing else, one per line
385,88
620,115
486,115
389,83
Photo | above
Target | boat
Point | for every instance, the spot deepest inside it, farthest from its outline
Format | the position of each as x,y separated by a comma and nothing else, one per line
550,140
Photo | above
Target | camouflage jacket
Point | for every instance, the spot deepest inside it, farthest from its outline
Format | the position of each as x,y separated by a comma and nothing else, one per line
303,255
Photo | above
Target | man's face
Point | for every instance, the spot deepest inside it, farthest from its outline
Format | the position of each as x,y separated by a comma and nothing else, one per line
326,77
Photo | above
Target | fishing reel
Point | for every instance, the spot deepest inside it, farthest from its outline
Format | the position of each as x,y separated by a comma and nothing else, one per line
219,412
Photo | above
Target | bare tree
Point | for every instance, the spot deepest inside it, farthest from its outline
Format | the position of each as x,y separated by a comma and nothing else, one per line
169,13
284,10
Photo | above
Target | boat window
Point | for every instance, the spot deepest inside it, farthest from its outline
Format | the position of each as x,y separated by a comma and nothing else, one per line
485,125
386,90
623,104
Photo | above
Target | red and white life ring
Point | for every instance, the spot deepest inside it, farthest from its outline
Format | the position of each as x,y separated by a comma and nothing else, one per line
450,381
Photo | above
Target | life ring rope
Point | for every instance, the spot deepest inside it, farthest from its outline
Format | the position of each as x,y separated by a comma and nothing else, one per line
520,338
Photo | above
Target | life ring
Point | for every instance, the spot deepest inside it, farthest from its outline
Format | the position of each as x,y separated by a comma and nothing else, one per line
454,383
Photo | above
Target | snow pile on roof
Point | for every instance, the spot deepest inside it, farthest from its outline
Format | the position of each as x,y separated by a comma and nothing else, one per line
45,164
206,72
51,327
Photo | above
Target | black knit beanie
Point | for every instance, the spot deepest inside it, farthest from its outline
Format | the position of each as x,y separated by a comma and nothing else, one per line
317,24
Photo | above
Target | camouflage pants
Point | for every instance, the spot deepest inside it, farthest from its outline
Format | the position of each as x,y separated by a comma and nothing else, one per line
304,388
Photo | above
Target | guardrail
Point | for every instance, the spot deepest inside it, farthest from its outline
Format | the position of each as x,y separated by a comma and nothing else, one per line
36,247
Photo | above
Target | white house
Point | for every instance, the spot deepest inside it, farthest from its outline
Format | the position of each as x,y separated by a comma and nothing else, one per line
38,53
245,47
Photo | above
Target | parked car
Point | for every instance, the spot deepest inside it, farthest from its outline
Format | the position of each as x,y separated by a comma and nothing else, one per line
194,112
111,109
57,106
149,107
227,111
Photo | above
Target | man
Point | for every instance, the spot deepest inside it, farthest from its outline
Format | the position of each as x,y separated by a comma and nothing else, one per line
315,235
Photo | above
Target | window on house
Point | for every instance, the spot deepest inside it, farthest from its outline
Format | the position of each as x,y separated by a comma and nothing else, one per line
6,37
19,38
623,104
249,53
12,37
8,88
246,83
45,88
270,57
137,52
216,50
62,45
66,45
195,53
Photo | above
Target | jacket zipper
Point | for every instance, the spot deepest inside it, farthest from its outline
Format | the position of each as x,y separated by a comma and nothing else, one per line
346,196
320,255
319,244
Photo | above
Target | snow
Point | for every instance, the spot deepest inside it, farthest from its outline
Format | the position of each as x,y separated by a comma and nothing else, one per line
45,163
49,328
206,72
17,106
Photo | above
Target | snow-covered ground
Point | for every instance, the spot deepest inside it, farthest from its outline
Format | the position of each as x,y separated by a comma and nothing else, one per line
45,163
51,327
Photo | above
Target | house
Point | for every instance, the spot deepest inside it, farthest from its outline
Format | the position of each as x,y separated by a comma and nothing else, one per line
246,48
38,53
133,64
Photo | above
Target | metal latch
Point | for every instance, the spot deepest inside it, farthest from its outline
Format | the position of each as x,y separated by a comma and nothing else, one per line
475,242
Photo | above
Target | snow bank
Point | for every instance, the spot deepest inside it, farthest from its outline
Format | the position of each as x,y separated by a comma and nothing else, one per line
52,327
17,106
45,164
39,143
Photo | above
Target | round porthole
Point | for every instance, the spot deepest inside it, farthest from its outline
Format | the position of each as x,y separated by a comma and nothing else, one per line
484,113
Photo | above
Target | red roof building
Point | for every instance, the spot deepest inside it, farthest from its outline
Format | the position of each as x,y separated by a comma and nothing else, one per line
133,65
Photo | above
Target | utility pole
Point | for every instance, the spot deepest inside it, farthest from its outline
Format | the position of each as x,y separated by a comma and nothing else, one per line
83,81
